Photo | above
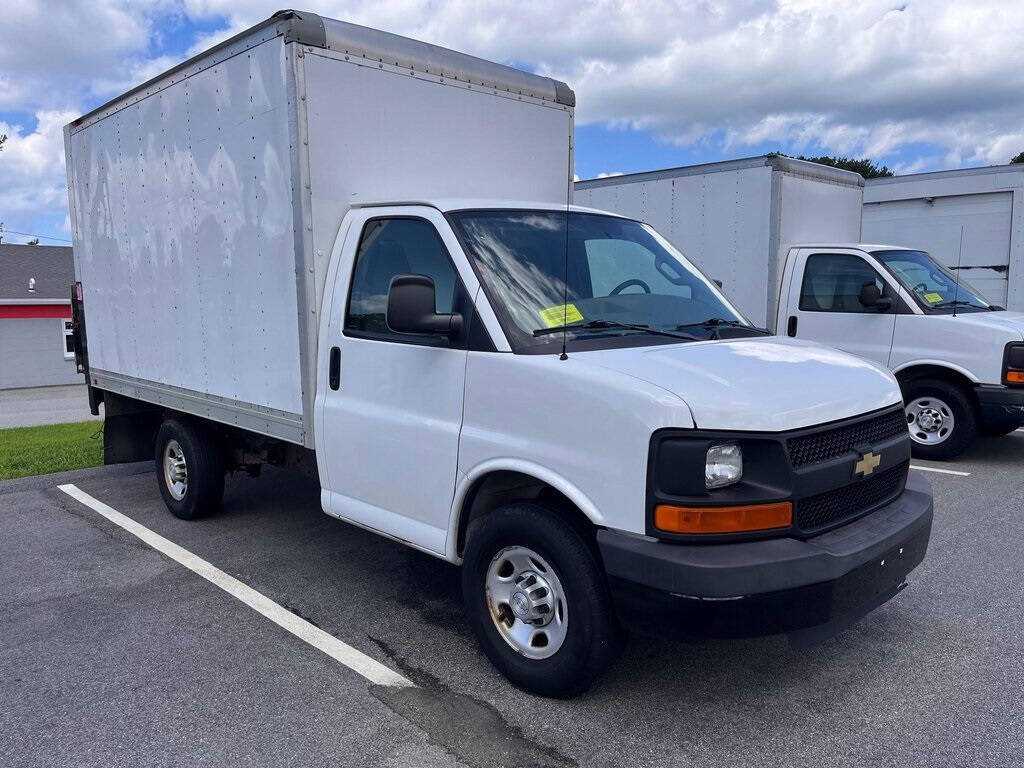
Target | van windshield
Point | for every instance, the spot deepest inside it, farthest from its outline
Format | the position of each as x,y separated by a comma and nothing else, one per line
603,277
932,285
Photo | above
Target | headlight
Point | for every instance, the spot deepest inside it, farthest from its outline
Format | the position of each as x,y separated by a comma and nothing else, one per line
724,465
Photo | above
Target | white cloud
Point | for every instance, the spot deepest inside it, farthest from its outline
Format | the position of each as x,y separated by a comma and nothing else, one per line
607,175
32,166
825,75
54,53
865,78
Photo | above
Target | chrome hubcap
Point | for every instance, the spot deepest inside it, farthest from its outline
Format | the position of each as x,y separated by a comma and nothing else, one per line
930,420
527,602
175,470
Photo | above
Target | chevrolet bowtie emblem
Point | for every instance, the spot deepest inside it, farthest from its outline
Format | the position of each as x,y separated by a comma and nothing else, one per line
868,463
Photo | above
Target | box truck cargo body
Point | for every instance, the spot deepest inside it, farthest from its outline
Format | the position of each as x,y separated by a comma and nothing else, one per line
205,203
735,218
931,210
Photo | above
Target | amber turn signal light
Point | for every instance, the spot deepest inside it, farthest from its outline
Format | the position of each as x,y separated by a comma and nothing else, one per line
752,517
1015,377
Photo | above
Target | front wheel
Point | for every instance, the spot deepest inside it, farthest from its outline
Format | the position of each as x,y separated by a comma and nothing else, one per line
941,419
537,600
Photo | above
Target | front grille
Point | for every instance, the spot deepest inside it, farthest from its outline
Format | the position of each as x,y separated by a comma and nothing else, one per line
830,443
836,506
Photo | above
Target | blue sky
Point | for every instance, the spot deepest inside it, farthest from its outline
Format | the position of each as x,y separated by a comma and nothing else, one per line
918,85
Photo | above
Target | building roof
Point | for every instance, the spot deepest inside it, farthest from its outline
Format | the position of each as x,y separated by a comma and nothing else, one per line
955,173
51,265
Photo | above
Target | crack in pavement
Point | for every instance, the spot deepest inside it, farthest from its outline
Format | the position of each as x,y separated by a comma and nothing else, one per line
471,730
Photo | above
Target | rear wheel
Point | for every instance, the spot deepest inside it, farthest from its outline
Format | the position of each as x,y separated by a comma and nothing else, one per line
537,600
941,418
189,469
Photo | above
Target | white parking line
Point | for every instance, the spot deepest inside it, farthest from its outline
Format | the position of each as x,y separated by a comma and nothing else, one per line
943,471
341,652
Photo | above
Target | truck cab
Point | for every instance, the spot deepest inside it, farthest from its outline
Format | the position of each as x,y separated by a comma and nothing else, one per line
959,359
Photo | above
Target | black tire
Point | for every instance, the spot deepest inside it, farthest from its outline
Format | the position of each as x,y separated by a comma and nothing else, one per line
593,637
965,416
204,488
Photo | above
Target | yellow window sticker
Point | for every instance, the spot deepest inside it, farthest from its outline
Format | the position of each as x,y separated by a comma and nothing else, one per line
933,298
561,314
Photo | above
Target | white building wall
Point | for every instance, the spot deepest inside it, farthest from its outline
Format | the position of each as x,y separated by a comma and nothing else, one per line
932,211
32,353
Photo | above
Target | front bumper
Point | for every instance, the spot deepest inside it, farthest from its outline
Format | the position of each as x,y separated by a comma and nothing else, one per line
1001,406
771,585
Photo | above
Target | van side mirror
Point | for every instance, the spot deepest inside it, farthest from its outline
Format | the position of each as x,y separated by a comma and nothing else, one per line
871,297
412,308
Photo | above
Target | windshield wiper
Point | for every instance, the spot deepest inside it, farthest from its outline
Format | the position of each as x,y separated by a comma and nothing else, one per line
595,325
957,303
718,322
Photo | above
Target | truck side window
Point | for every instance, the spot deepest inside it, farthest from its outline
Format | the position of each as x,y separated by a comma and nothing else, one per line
389,247
832,283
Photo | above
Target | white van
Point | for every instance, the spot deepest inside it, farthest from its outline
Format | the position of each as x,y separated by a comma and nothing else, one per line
958,358
286,255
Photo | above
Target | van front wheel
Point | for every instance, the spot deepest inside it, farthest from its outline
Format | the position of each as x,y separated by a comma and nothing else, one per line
941,418
537,600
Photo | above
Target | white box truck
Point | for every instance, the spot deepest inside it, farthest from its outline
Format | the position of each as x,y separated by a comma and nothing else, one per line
322,245
784,237
736,218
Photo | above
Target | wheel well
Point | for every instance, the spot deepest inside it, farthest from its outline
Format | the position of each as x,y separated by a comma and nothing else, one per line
501,487
948,375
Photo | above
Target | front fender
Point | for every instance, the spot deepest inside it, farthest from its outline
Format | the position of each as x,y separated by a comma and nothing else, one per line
903,367
510,464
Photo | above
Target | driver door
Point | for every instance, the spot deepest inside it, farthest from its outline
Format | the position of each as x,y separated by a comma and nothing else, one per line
825,305
389,405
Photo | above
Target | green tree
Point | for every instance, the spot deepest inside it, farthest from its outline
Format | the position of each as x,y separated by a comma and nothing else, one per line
1018,158
864,166
33,241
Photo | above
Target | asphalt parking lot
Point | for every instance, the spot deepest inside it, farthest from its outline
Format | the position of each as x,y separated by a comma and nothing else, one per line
113,654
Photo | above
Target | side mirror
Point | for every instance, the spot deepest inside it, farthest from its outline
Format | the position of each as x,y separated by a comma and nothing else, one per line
871,296
412,308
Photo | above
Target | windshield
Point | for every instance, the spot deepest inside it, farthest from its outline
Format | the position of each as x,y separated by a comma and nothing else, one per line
931,284
620,273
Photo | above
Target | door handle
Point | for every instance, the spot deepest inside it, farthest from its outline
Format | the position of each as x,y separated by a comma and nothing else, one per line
334,372
791,327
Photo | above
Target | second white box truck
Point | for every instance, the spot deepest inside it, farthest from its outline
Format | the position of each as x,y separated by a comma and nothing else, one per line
783,237
735,218
323,245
